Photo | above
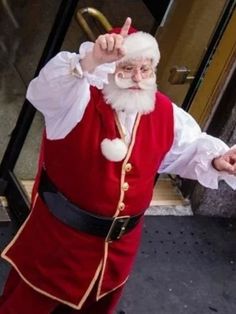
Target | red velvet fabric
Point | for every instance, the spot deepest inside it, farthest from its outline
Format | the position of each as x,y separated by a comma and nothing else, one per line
19,298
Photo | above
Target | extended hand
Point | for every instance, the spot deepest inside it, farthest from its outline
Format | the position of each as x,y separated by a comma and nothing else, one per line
226,162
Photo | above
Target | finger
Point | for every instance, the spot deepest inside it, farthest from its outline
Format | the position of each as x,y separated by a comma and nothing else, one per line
118,46
231,170
233,155
232,152
125,28
230,156
225,166
232,159
110,43
121,52
101,41
118,42
234,168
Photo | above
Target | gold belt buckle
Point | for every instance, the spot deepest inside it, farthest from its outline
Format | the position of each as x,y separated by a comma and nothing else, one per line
123,221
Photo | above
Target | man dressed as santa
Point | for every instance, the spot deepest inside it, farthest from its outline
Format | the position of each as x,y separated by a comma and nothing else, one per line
108,133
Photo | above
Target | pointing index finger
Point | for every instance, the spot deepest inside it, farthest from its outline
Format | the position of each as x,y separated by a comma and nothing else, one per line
125,28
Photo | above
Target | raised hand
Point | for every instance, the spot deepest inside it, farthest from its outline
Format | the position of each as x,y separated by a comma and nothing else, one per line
107,48
226,162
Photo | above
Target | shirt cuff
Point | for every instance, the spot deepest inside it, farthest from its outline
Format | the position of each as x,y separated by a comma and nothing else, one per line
100,75
208,176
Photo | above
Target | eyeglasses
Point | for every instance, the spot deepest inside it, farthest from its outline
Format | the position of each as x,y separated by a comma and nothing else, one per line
130,70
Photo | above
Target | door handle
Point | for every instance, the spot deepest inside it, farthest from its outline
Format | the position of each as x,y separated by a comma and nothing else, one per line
97,15
180,75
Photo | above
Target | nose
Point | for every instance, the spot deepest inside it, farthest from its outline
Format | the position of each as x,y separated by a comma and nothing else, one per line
137,76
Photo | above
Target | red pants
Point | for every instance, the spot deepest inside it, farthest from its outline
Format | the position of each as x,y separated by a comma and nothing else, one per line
19,298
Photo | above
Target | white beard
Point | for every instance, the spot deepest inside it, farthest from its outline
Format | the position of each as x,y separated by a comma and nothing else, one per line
121,98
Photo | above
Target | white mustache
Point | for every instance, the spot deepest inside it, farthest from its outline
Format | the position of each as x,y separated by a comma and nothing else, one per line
145,84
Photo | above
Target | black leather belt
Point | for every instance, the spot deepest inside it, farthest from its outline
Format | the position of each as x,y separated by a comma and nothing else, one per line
77,218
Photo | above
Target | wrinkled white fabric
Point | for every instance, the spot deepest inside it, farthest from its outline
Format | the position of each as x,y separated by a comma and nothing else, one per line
61,93
192,153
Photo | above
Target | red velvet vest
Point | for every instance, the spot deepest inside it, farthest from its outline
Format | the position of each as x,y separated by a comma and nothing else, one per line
63,263
79,169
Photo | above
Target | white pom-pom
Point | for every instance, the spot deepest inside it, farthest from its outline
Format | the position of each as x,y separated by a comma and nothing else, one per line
114,150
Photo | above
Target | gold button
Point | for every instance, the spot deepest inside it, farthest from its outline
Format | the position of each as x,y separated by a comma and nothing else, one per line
121,206
125,186
128,167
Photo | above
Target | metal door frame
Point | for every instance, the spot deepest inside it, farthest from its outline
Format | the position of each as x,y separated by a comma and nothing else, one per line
218,33
10,186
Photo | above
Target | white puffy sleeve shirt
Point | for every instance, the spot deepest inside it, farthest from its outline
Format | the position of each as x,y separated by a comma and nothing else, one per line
61,93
